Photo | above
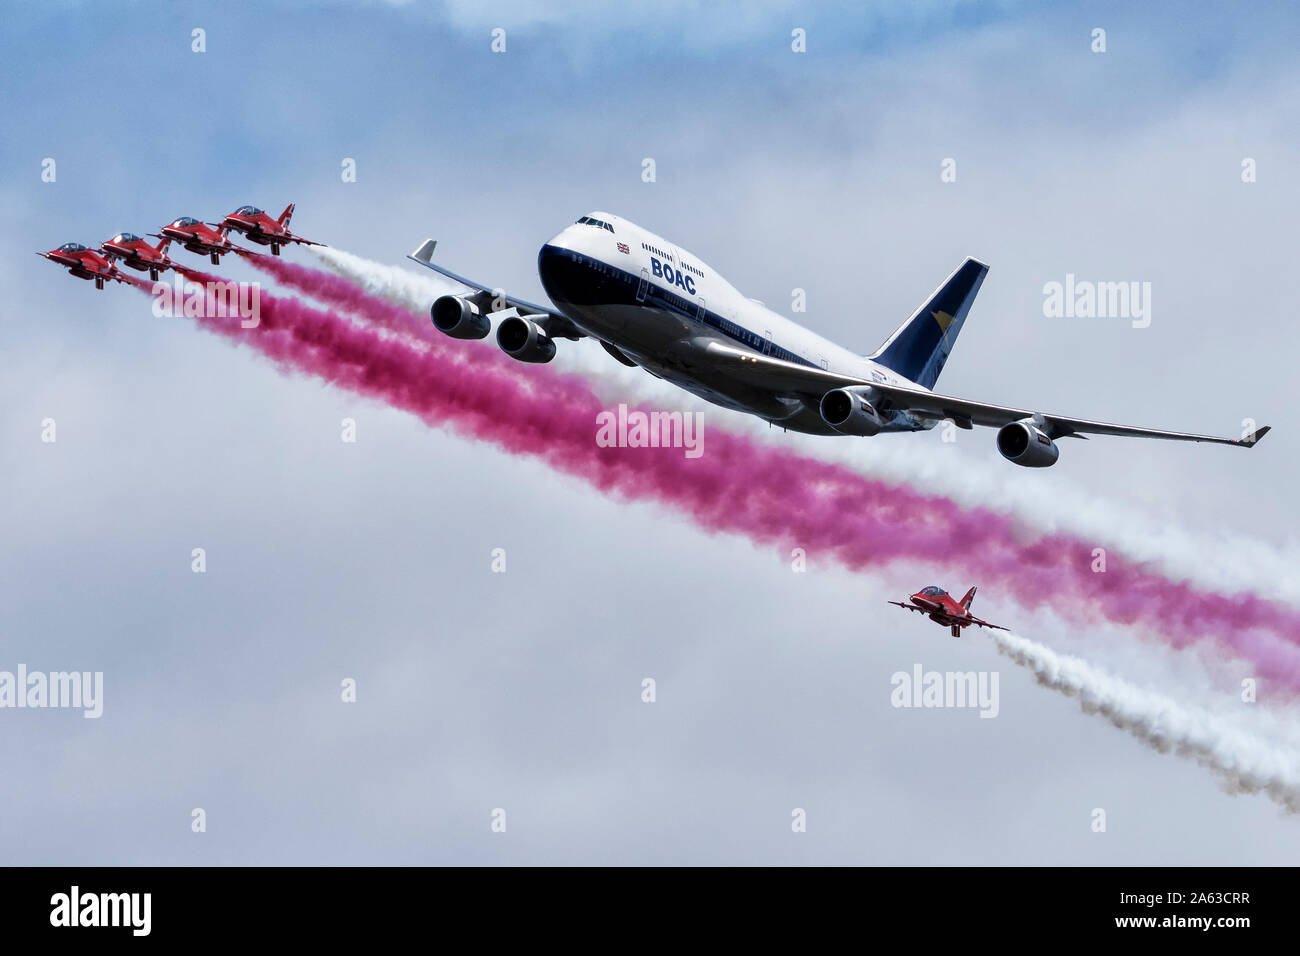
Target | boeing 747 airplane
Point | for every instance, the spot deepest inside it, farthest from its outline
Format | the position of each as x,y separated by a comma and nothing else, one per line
653,304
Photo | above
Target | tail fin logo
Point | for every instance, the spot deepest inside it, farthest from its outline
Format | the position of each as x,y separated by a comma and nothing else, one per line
944,320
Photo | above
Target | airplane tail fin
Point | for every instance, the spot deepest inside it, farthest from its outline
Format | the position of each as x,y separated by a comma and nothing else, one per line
920,346
968,599
286,215
165,244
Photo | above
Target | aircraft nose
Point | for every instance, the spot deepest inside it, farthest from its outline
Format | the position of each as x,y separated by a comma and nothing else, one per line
564,270
563,239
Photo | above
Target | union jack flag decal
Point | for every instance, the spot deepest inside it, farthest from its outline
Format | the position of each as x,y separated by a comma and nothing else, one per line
622,247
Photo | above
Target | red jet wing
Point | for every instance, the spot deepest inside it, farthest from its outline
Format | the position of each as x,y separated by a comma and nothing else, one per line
996,627
907,607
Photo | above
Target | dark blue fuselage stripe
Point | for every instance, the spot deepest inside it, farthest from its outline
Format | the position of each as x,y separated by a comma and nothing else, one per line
672,302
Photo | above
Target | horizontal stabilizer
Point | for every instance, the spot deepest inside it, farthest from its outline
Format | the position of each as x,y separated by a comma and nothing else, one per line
1253,440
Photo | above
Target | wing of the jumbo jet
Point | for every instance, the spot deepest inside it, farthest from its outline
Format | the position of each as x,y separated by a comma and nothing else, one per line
488,299
780,375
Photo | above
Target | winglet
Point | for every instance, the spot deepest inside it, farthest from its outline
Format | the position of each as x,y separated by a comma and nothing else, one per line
1254,439
425,252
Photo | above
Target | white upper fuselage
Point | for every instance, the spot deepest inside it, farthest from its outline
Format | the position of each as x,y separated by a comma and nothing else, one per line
649,298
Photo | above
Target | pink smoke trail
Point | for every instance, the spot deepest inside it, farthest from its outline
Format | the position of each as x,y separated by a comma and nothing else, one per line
346,295
771,496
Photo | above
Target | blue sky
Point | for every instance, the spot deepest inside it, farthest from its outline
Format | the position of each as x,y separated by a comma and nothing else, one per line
818,171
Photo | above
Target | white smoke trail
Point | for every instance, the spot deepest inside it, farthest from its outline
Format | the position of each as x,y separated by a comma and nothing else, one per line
392,283
1240,563
1244,761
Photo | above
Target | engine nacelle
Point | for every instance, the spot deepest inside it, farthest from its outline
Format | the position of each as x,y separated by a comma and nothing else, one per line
459,318
851,412
525,340
1024,443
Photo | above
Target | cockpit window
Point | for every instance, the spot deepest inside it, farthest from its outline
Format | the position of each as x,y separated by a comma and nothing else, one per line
933,591
125,237
247,211
72,247
599,224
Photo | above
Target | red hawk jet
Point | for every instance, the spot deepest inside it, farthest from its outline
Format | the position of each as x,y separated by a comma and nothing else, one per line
137,254
85,263
260,228
197,237
942,609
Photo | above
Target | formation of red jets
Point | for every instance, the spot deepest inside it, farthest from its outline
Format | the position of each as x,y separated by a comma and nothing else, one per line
204,238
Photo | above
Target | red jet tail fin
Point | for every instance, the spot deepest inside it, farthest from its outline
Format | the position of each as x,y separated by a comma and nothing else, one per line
286,215
970,596
162,246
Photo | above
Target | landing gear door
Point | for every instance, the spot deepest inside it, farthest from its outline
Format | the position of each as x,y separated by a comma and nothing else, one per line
643,285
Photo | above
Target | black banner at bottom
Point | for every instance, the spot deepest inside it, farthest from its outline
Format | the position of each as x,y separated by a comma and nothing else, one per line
93,905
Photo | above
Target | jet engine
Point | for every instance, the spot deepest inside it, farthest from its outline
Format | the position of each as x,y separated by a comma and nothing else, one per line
459,318
851,412
1024,443
525,340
